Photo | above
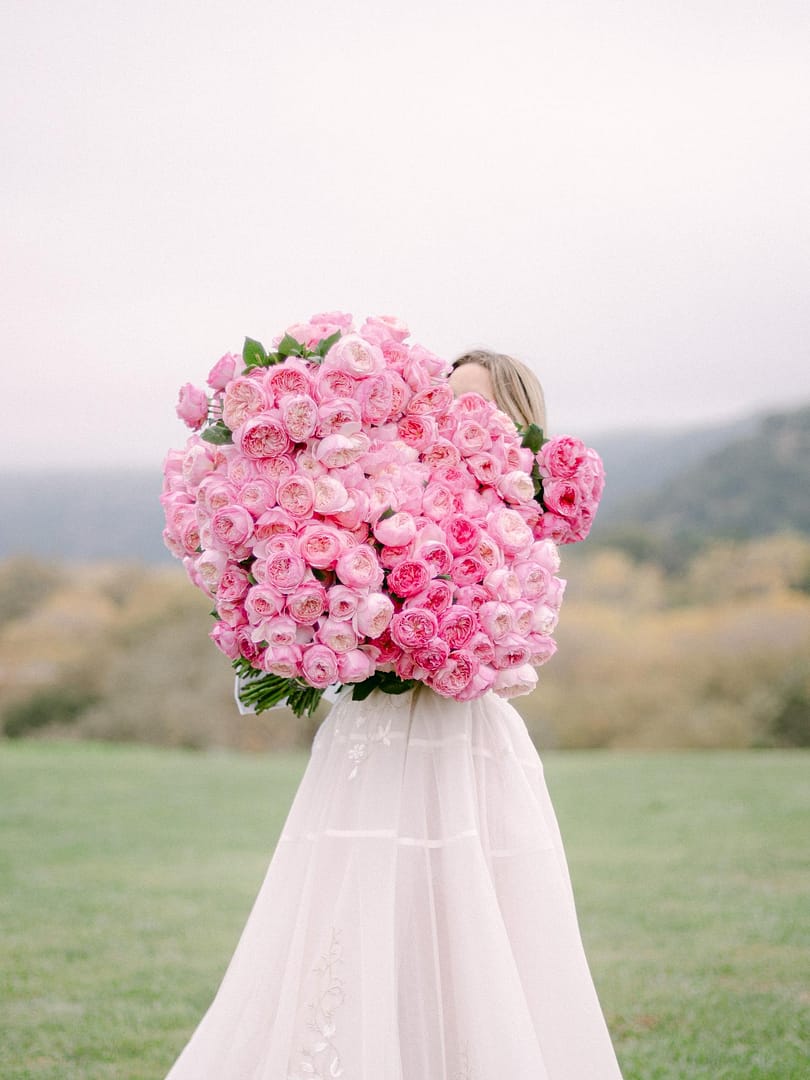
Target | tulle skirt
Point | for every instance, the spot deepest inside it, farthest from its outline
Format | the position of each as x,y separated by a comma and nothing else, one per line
416,921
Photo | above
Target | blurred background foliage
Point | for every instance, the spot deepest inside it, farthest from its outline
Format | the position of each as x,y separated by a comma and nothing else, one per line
686,621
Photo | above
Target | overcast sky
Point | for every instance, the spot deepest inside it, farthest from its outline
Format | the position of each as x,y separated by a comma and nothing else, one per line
616,192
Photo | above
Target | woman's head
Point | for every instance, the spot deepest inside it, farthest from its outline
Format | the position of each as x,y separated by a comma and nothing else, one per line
513,387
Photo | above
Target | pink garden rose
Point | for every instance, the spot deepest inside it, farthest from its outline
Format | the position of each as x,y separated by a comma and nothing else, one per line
320,665
224,370
244,397
192,406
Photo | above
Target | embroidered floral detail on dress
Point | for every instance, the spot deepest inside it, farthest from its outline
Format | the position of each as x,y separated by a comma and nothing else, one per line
372,726
321,1058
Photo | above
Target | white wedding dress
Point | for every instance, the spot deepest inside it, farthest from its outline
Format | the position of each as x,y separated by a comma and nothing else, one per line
416,921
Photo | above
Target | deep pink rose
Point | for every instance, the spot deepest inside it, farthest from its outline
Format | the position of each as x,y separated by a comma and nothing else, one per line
433,655
455,673
462,535
409,577
192,406
562,497
418,431
437,597
467,570
457,626
561,457
319,665
485,467
431,401
414,627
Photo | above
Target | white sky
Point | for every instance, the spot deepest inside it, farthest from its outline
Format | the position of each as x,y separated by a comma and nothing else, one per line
617,192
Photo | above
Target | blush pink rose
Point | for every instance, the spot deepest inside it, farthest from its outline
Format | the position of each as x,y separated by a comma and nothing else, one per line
485,467
497,618
285,571
284,661
262,436
244,397
224,370
513,682
338,451
262,603
192,406
290,377
503,584
338,634
441,453
542,648
226,640
299,416
471,437
355,355
512,650
279,630
338,416
455,674
359,568
508,529
373,615
233,584
472,596
380,328
231,528
515,486
319,666
431,401
307,603
257,496
482,648
395,530
376,397
274,522
296,495
343,602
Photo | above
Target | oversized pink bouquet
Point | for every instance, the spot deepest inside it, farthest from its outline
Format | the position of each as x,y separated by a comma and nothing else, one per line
353,522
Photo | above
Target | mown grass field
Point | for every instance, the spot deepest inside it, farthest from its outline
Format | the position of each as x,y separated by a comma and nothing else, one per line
127,872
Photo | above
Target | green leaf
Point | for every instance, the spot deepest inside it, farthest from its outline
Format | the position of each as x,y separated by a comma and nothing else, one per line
217,433
325,344
288,346
387,681
253,353
387,513
533,438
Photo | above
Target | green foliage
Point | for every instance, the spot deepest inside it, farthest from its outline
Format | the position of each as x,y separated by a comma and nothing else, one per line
218,433
387,681
53,705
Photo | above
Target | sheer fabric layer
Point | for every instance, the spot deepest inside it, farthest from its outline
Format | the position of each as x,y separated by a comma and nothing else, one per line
416,921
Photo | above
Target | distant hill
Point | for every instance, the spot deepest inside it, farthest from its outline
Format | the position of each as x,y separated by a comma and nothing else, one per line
745,478
756,485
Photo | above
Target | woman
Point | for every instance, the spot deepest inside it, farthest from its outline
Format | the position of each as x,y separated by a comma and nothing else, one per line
416,921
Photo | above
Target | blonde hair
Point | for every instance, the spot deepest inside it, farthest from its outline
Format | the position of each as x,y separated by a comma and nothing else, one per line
516,388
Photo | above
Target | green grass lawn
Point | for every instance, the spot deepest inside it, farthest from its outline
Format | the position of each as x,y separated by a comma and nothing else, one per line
127,873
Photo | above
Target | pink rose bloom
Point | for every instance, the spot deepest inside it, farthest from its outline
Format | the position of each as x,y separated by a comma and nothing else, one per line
275,469
231,528
513,682
336,415
414,628
224,370
262,602
503,584
497,618
472,596
248,648
436,366
467,570
471,437
455,674
355,512
285,571
534,578
197,463
330,496
390,556
562,497
290,377
262,436
257,496
355,355
431,401
359,568
437,597
307,603
547,554
334,383
441,452
233,584
561,457
373,615
337,451
544,618
462,535
379,328
511,651
299,416
376,397
225,639
355,666
508,529
482,648
542,648
233,614
215,491
437,501
409,577
192,406
321,546
485,467
338,634
488,552
274,522
343,602
296,495
210,566
284,661
433,655
244,397
435,553
418,431
279,630
396,530
479,684
387,650
516,486
319,666
523,613
457,626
